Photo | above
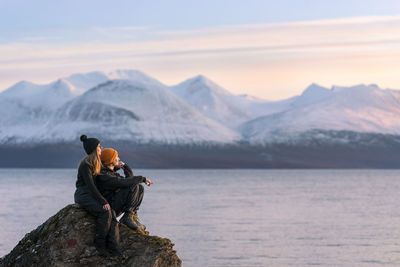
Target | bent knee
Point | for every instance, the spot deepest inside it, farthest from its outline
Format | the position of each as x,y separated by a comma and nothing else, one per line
141,188
138,187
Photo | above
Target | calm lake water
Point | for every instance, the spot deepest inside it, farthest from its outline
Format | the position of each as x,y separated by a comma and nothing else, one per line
238,217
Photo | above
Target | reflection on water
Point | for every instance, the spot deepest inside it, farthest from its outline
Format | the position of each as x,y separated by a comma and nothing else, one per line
238,217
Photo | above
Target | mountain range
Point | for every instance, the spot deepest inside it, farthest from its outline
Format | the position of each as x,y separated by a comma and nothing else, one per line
128,106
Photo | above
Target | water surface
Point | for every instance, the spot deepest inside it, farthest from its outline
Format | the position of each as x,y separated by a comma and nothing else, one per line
238,217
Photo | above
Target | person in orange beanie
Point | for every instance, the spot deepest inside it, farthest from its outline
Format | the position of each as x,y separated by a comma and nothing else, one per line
125,194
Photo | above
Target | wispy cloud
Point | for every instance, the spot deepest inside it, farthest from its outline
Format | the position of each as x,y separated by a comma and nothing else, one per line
222,51
38,38
122,33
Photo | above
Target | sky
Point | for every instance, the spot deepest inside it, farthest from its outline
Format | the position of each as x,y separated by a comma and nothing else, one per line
269,49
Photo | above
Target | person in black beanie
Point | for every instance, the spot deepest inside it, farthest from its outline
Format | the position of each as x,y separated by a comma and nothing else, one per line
88,196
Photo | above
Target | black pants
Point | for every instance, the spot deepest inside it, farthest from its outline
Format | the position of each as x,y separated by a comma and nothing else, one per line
128,199
107,231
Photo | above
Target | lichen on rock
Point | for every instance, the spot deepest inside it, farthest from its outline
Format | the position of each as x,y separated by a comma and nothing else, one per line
66,239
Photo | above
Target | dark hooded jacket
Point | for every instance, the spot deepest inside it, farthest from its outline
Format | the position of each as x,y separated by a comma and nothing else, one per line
109,181
85,182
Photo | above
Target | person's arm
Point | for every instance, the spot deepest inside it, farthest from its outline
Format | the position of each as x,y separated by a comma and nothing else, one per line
127,170
113,182
89,181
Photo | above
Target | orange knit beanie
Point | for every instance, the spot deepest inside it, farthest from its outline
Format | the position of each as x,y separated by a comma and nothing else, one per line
108,155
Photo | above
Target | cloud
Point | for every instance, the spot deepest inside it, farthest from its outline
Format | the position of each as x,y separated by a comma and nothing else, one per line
240,38
121,33
222,50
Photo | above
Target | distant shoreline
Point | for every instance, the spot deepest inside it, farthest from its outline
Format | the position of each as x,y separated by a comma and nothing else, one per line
273,156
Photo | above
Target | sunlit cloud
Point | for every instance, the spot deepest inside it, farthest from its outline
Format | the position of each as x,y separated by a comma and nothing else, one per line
122,33
273,61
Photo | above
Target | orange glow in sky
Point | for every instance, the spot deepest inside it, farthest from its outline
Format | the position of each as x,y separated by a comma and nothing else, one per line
271,61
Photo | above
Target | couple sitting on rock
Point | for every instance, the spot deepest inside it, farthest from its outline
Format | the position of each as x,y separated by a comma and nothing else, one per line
104,193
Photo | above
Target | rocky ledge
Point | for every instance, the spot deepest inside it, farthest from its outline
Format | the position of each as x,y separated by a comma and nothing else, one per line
66,239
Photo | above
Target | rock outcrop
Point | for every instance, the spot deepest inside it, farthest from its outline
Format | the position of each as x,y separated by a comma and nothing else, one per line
66,239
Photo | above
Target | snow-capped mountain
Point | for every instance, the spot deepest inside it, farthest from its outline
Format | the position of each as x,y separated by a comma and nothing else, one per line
34,103
211,100
217,103
132,106
77,84
130,111
312,94
359,108
136,76
32,95
31,105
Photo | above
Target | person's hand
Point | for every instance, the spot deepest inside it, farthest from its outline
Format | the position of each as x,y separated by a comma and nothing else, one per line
107,207
148,182
121,164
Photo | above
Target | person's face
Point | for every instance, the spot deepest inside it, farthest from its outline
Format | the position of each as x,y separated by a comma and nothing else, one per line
99,148
116,162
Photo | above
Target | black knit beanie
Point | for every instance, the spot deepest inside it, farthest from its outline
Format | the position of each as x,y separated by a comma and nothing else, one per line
89,144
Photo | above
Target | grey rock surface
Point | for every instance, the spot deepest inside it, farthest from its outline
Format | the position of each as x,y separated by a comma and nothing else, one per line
66,239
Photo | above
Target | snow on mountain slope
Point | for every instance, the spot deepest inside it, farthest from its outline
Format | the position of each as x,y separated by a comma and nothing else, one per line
262,108
27,91
27,103
127,110
47,97
130,105
312,94
33,103
135,75
26,108
22,88
220,105
211,100
359,108
83,82
74,85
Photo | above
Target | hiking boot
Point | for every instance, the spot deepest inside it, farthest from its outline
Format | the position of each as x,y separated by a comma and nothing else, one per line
113,248
101,249
115,252
131,220
141,226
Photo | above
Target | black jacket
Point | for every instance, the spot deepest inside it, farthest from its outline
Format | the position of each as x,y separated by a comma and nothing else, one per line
85,181
109,181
